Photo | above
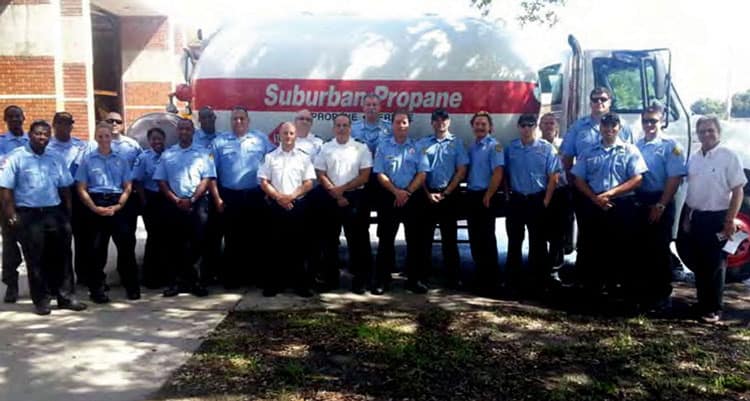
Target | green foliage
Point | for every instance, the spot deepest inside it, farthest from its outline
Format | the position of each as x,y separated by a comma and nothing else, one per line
709,106
741,105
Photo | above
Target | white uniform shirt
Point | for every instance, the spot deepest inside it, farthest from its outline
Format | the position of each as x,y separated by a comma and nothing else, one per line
311,144
286,170
711,178
342,163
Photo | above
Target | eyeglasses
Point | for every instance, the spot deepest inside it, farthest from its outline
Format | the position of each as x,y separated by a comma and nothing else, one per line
305,119
526,125
113,121
649,121
706,131
599,99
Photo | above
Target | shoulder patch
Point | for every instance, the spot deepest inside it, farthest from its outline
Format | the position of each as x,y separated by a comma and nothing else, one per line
498,148
677,151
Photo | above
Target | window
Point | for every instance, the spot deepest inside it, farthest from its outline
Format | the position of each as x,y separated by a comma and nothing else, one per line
623,78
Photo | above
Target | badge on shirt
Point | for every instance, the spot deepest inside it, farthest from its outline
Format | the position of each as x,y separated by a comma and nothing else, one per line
498,148
677,151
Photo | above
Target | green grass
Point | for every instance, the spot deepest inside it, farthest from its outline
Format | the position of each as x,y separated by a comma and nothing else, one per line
427,353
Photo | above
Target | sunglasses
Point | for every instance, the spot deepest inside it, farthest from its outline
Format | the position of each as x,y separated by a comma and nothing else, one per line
305,118
113,121
599,99
650,121
526,125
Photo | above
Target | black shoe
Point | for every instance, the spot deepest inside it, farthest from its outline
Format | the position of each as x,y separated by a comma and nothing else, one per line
11,294
133,294
358,288
270,292
98,297
303,292
42,308
171,291
416,287
199,291
71,304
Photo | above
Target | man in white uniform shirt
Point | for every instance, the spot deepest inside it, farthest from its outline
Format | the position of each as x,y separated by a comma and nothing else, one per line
286,176
714,196
343,167
306,140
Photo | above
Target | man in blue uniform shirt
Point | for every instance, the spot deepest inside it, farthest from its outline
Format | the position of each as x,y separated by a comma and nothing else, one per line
206,134
15,137
103,183
238,155
35,192
69,148
401,170
448,160
582,136
607,176
371,129
667,166
532,168
183,174
486,162
154,206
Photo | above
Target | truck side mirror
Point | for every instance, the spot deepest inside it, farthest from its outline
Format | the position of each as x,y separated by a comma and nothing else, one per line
661,78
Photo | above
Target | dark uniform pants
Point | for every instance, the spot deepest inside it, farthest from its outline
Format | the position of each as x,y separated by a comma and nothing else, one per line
82,243
444,214
355,220
527,212
211,253
611,237
188,231
245,246
287,227
45,236
120,228
558,224
482,240
701,251
652,273
11,255
389,218
156,259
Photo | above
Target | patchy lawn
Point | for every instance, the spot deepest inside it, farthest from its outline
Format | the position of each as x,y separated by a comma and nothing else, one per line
402,351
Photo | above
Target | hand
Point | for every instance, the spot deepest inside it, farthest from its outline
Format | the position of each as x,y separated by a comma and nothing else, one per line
336,192
342,202
401,198
487,200
729,229
546,202
184,204
104,211
655,214
219,203
13,221
603,202
285,201
435,198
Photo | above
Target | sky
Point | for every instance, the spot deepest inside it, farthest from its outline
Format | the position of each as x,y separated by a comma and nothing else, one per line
708,58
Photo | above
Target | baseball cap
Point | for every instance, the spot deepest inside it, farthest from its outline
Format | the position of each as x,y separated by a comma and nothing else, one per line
610,119
63,117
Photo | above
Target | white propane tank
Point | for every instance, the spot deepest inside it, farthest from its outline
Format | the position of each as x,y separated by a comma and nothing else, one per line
327,65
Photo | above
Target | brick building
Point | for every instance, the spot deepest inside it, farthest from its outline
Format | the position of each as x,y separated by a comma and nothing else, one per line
87,57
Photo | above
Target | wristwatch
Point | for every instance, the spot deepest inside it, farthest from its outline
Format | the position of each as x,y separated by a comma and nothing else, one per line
660,206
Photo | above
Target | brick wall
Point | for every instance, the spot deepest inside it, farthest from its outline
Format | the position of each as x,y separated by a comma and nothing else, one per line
144,97
144,33
74,80
80,114
34,109
27,2
71,8
27,75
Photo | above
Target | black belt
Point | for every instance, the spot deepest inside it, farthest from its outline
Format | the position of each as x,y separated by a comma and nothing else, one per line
105,199
437,190
535,195
43,209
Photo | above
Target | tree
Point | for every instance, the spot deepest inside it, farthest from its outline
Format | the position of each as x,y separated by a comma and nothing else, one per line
541,12
741,105
709,106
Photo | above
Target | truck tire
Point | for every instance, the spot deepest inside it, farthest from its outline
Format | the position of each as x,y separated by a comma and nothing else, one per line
738,265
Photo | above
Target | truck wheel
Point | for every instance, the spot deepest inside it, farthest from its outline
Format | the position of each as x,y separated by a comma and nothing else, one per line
738,265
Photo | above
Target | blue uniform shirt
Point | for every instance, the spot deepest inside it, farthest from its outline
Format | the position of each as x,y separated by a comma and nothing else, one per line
605,168
103,174
238,159
444,156
664,159
484,157
529,166
126,147
68,151
400,162
144,168
371,135
184,168
34,179
8,142
584,134
203,139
